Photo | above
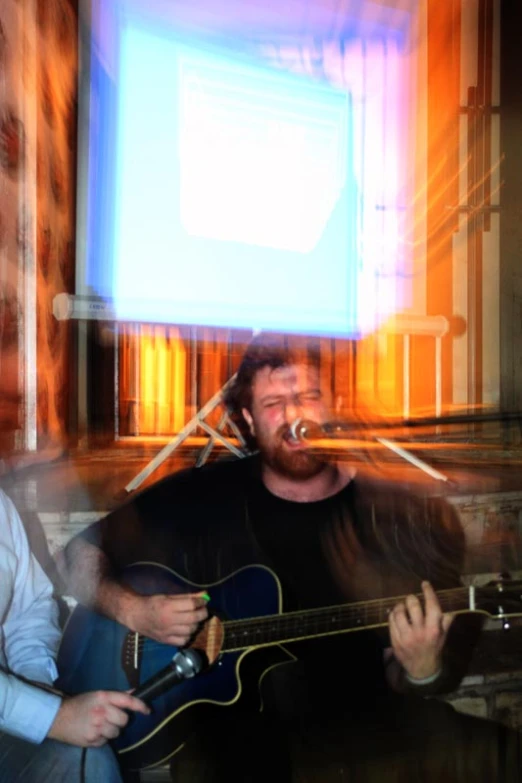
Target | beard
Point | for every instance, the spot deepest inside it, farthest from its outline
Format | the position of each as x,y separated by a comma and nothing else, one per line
298,465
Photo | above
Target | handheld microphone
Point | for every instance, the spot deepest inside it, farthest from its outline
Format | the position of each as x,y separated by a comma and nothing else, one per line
184,665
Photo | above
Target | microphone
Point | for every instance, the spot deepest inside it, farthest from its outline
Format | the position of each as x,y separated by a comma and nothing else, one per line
305,429
183,666
302,429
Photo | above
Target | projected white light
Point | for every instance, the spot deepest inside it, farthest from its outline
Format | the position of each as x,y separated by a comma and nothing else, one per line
262,160
232,199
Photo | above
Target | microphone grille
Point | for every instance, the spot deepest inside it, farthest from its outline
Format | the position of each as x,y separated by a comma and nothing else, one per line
301,429
296,429
188,662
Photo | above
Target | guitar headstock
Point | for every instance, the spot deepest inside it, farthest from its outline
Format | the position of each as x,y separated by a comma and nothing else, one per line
500,599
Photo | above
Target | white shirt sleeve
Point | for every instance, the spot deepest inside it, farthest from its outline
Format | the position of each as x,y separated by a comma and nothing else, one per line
29,633
26,711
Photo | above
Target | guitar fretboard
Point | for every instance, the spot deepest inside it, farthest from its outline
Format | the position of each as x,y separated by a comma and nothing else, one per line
294,626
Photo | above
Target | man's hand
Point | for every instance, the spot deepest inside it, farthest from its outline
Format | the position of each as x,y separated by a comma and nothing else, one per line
170,619
91,719
418,635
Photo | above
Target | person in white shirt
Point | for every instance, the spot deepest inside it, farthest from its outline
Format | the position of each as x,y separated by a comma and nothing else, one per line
44,736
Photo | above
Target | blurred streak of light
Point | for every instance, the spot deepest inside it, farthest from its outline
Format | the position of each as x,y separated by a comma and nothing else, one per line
369,444
419,198
161,403
147,369
419,206
163,372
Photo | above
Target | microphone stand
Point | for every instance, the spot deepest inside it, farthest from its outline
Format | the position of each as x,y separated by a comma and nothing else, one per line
334,426
503,417
418,463
326,432
312,432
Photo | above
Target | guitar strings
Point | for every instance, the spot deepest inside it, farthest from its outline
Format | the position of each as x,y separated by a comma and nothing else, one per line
366,613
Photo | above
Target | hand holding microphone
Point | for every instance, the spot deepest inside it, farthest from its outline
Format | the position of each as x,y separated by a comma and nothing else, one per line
185,664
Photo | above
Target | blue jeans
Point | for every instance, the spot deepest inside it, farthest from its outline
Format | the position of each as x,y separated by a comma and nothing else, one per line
55,762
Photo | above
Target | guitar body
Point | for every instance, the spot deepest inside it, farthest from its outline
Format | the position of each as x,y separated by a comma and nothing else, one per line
98,653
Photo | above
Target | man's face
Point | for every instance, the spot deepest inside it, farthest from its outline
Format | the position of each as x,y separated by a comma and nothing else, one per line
279,397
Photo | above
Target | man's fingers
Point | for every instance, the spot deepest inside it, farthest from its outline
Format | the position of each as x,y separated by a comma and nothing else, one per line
399,619
181,634
125,701
414,609
188,613
176,639
170,619
109,730
116,716
430,598
187,602
183,626
434,616
410,615
196,617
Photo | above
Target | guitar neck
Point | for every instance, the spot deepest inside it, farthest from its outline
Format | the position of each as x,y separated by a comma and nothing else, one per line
328,621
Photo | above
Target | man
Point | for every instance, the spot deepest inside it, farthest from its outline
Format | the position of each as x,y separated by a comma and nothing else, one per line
44,736
331,537
42,733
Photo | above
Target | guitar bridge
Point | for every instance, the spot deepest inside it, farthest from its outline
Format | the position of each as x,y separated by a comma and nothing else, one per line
131,658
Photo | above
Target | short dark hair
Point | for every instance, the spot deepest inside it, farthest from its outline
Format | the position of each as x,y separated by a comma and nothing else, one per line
267,349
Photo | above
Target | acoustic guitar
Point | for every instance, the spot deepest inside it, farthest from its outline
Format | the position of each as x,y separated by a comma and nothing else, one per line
246,617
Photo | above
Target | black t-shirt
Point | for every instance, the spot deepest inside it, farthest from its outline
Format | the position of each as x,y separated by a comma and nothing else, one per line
193,522
300,542
367,541
293,536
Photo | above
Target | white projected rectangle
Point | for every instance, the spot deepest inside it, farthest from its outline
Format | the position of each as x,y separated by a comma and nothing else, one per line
232,190
242,132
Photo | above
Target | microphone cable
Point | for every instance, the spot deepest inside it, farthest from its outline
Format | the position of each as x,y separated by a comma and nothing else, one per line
82,765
